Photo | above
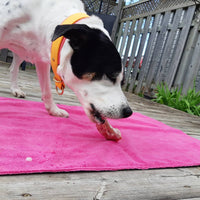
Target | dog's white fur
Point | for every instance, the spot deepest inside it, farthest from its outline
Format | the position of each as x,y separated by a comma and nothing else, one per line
26,28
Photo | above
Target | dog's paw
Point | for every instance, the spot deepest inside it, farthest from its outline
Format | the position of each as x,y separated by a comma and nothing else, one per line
18,93
58,112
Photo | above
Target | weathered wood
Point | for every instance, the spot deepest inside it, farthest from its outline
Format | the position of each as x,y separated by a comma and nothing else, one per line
187,54
177,183
158,50
133,52
180,46
148,53
192,69
198,81
124,39
139,55
116,24
168,50
147,184
169,53
130,38
119,34
161,7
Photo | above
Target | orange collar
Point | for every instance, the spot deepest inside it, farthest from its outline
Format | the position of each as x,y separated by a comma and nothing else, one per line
56,48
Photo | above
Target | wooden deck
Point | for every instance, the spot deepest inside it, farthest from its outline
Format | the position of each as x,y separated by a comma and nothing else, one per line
161,184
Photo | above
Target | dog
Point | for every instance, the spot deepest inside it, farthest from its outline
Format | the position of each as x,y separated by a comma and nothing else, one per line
89,62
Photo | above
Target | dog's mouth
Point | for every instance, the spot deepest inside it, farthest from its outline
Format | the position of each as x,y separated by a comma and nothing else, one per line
103,125
96,116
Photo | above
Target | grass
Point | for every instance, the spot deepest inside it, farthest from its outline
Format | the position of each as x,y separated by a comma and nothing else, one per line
189,103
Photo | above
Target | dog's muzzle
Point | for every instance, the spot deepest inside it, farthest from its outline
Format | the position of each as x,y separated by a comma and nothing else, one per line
98,117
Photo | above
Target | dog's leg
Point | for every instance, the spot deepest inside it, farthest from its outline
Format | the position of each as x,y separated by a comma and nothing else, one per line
43,72
14,69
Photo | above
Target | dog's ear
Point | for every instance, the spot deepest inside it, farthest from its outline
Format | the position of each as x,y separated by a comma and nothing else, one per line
76,33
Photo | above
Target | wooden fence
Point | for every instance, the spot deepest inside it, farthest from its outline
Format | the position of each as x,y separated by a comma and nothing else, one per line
107,7
159,41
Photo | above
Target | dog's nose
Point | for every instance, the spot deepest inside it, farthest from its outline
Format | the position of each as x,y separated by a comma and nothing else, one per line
126,112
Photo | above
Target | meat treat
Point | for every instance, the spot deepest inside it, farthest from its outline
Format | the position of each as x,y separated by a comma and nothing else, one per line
103,126
108,131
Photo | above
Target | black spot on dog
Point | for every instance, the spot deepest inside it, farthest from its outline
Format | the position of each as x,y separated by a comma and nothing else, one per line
9,11
20,6
93,51
17,26
7,3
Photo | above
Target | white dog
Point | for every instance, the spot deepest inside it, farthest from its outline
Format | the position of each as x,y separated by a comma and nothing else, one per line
89,63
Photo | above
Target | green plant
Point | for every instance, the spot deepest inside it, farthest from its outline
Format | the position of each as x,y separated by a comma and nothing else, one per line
189,103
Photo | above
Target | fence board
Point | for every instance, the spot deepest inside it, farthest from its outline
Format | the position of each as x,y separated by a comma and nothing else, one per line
180,46
130,38
118,13
187,53
192,69
165,60
198,81
148,54
120,33
139,56
158,50
135,43
124,38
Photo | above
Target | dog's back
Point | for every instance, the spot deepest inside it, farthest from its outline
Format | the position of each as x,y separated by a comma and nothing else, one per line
26,27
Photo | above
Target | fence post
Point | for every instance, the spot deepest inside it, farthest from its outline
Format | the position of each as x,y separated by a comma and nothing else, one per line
116,24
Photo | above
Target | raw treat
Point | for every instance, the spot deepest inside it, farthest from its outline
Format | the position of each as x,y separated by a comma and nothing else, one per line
108,131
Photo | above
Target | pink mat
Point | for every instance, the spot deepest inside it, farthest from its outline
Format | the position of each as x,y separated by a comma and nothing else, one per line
31,141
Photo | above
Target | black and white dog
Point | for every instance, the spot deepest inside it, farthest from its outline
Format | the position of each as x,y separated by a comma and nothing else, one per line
89,63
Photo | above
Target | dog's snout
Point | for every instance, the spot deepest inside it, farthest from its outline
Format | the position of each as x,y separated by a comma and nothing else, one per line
126,112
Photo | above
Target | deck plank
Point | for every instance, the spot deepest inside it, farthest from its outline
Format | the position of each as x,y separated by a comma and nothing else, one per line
177,183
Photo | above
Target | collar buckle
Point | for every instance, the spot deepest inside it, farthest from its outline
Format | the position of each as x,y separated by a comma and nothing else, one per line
60,86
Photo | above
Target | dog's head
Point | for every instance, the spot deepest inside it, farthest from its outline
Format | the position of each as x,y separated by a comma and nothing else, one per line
92,68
